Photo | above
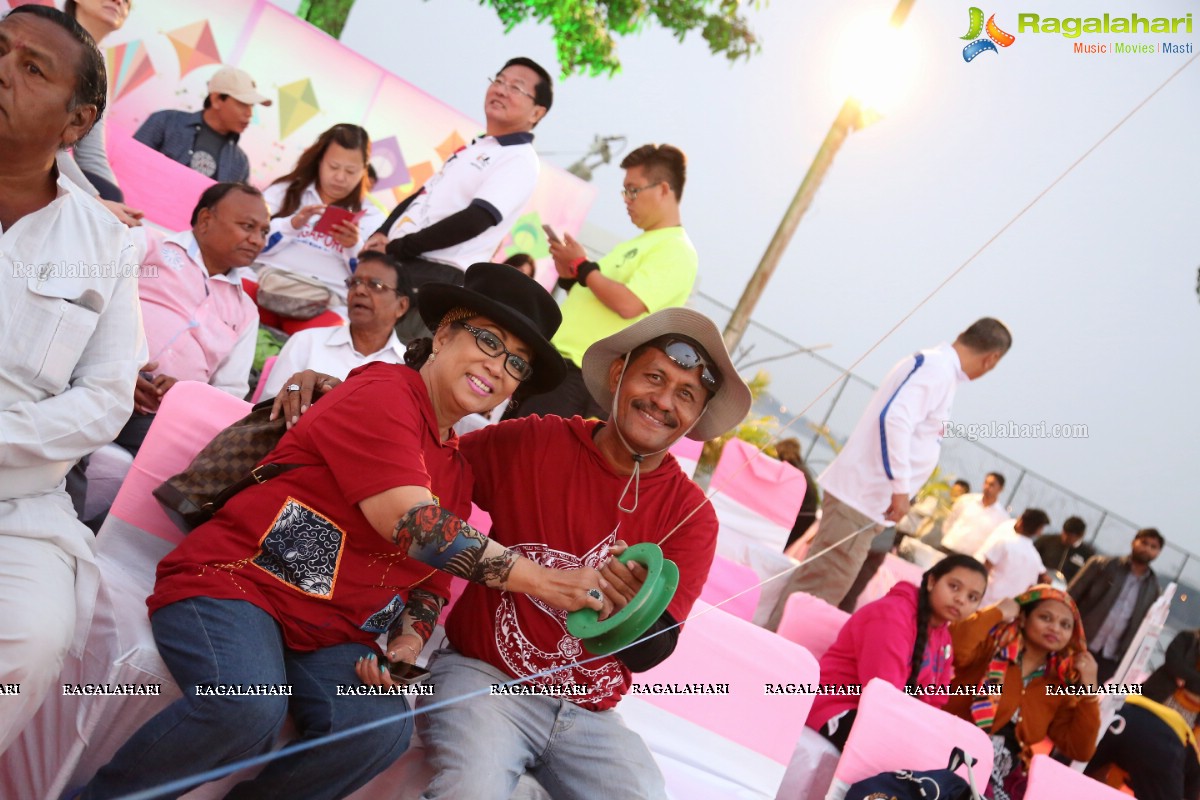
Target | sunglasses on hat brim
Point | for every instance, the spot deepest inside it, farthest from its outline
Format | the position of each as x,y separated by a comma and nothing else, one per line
688,356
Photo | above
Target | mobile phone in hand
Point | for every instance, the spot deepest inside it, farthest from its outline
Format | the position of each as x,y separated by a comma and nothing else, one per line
334,215
406,673
551,234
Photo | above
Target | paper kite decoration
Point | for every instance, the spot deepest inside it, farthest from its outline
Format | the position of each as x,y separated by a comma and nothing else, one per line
389,164
450,145
297,105
528,237
195,46
128,66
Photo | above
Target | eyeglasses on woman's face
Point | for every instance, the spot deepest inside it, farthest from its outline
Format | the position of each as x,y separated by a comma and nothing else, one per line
490,344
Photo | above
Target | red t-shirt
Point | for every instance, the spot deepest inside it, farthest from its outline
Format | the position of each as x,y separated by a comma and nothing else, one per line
298,547
553,497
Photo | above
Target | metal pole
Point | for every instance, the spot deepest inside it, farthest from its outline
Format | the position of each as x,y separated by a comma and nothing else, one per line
1012,495
825,420
848,119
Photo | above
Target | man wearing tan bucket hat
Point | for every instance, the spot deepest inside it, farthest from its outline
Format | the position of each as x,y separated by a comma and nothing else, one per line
207,140
574,493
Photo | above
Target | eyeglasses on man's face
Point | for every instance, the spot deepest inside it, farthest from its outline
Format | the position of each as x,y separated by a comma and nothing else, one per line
632,194
376,287
491,345
499,82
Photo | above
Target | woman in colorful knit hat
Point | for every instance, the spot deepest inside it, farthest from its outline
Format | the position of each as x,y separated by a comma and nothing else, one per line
1029,658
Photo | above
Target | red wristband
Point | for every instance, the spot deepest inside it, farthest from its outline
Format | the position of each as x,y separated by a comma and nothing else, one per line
575,265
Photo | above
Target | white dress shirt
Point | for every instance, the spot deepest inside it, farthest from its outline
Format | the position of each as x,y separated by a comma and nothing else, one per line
969,523
327,350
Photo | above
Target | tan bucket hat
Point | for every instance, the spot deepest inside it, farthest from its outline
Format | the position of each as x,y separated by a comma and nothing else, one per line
725,409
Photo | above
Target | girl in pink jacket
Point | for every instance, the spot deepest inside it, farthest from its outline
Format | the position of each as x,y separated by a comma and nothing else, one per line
903,638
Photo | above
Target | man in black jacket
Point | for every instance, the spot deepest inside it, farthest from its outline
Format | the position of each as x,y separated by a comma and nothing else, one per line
1065,552
1113,596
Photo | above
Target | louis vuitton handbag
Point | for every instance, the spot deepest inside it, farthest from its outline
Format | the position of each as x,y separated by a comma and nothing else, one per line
223,468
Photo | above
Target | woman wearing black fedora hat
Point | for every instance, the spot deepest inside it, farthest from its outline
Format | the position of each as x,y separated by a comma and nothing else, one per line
276,605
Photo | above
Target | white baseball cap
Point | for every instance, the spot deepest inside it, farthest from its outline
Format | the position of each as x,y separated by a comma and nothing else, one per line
237,84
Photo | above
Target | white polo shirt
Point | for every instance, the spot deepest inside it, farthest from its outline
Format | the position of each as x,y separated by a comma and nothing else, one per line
497,173
896,443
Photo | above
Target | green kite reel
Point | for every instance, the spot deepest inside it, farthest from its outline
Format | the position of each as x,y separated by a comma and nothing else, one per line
602,637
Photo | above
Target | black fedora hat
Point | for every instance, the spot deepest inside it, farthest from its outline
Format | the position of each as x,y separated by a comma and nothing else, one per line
509,298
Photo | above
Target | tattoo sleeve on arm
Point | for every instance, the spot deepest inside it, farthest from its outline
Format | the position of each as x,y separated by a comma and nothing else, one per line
433,535
420,613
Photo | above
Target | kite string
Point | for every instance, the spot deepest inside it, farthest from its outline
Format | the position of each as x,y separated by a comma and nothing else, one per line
220,772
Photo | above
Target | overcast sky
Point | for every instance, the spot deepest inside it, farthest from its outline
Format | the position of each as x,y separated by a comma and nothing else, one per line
1097,280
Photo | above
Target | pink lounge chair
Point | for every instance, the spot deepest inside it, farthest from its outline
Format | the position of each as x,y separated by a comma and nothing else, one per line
811,622
894,731
893,570
1050,780
718,648
725,580
755,496
262,378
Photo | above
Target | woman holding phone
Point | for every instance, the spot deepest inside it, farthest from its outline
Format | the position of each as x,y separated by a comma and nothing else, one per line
318,213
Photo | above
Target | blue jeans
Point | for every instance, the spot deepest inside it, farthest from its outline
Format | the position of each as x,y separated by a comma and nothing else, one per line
480,747
207,642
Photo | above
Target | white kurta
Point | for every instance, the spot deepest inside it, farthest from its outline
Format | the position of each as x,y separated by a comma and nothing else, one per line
72,345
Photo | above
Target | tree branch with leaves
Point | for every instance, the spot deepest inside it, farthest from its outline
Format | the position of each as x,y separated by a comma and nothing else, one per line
585,32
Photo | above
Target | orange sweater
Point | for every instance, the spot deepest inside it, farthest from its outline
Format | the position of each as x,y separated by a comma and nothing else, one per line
1071,722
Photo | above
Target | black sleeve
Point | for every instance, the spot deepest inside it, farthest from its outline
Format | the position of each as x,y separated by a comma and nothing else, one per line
652,652
454,229
1191,773
398,212
1178,663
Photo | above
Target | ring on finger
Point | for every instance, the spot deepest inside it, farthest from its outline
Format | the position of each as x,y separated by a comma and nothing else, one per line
293,387
595,594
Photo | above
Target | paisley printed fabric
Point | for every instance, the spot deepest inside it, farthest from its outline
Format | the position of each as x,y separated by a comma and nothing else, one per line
302,549
383,619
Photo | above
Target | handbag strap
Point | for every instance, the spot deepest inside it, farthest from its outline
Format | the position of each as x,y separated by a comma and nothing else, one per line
958,757
259,474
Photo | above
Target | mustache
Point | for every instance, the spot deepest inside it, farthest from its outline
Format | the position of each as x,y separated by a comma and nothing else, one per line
665,417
